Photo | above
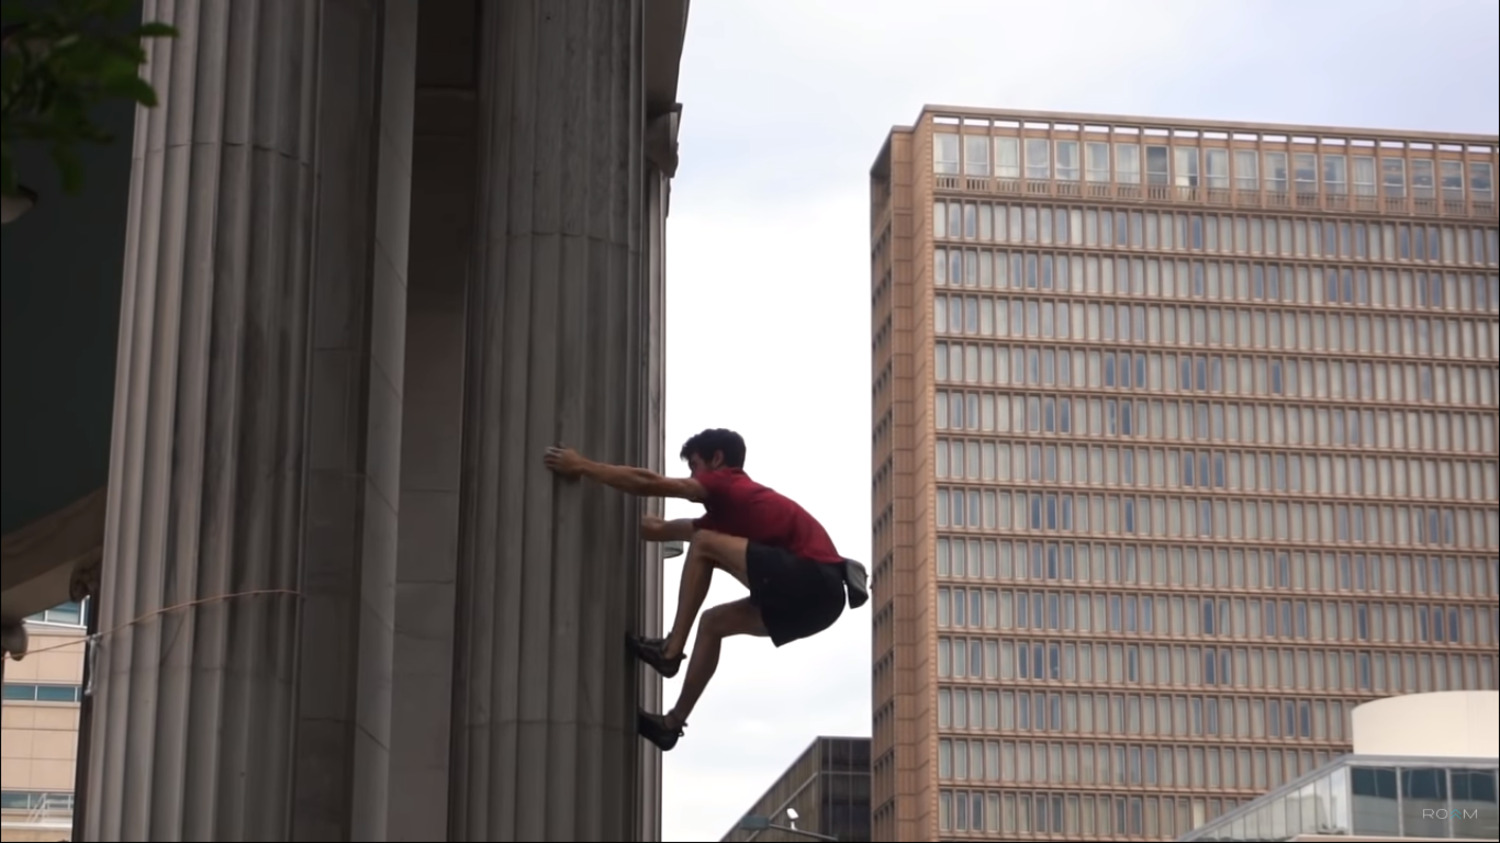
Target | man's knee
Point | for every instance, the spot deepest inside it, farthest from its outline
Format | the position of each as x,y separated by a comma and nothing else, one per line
715,543
721,549
715,622
737,618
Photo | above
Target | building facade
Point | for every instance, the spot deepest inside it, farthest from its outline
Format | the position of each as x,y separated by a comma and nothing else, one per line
1184,445
828,787
325,306
1423,767
39,729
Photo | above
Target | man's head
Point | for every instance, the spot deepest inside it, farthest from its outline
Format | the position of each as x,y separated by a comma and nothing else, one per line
715,448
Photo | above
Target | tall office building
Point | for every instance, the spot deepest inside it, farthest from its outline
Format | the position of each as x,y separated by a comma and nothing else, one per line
1184,445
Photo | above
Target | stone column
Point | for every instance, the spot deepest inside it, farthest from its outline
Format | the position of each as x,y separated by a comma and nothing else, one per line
83,589
443,199
191,734
364,164
544,742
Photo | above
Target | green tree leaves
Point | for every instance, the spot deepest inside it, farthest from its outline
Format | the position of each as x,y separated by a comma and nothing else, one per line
61,59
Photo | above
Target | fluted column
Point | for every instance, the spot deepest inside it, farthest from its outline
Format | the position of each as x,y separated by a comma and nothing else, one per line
544,744
192,726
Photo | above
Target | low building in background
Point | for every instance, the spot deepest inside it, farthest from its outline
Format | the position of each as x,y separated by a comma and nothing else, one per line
1424,767
39,742
828,790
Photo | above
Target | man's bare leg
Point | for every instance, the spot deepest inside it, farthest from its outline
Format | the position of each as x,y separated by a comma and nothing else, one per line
709,550
740,617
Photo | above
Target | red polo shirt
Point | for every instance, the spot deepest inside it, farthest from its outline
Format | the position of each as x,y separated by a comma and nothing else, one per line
739,506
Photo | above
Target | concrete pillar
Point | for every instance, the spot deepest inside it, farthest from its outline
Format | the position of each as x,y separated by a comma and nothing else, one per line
650,588
548,577
345,725
442,231
192,727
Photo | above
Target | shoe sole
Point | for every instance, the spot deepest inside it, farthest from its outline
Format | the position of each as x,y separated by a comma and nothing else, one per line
643,655
644,724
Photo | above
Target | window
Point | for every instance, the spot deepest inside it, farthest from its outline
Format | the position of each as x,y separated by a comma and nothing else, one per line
1217,164
30,800
1276,175
1186,166
1067,161
1246,170
1305,171
47,693
1007,159
1097,162
976,155
1482,187
1474,803
1423,181
1128,163
945,154
1335,175
1424,800
1393,177
1038,160
1157,165
1452,175
64,614
1364,176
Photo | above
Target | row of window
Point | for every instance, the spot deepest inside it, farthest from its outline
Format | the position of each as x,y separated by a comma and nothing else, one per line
1007,762
972,607
1238,328
1213,168
1081,714
1075,815
32,800
63,614
42,692
1017,561
1159,278
1008,660
1226,233
1244,375
1235,519
1170,420
990,461
1370,802
1423,802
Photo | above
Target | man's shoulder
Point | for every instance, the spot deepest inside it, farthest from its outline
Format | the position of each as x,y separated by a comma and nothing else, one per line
725,477
717,481
726,485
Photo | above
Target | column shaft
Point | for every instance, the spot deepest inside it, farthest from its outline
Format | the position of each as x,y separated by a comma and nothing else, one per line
192,726
344,717
544,742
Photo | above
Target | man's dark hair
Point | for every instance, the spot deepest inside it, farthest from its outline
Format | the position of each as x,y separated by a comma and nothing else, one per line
709,442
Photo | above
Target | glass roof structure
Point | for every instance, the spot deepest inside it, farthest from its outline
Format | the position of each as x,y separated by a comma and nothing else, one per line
1360,796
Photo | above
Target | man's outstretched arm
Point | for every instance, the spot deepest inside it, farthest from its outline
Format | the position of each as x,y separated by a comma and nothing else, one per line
636,481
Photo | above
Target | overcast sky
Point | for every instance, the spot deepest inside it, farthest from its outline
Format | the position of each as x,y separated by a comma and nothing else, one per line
786,103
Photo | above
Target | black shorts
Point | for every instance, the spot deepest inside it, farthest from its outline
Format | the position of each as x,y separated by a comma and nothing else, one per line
797,597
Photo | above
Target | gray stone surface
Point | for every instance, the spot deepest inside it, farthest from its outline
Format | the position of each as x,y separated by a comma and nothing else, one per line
442,230
353,318
192,727
345,704
649,593
549,571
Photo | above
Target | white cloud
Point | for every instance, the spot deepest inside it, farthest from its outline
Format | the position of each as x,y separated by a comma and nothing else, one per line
786,104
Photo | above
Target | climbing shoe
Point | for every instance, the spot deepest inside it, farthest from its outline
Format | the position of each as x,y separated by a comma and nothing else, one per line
656,729
652,651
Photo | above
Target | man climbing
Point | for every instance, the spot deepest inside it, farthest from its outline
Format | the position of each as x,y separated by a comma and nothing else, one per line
767,541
